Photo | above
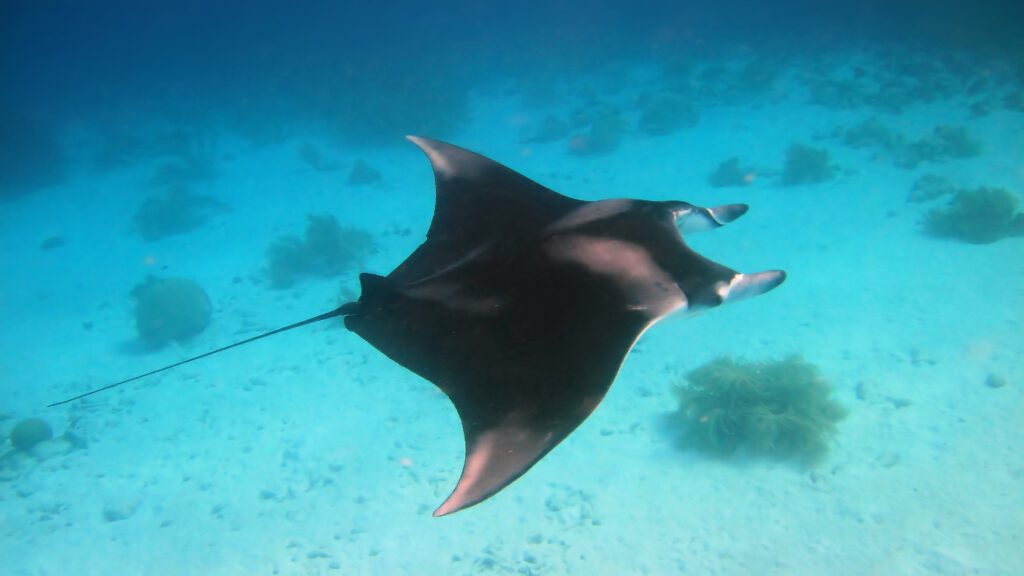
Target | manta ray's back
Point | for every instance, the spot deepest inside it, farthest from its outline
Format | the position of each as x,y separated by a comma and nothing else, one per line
522,305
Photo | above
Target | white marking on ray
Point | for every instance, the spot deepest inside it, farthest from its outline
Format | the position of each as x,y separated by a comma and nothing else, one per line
698,219
743,286
694,219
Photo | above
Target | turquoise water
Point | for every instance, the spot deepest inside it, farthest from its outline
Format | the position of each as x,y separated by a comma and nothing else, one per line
178,141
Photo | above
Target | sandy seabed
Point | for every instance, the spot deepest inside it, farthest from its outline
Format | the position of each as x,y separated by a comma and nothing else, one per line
311,453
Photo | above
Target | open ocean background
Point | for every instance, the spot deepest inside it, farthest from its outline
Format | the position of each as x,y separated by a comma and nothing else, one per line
311,453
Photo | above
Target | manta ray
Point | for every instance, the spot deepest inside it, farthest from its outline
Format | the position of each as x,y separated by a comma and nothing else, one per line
522,304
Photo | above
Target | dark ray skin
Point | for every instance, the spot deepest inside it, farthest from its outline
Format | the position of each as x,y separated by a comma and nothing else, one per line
522,304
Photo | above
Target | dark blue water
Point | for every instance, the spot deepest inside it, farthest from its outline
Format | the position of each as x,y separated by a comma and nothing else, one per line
275,63
254,152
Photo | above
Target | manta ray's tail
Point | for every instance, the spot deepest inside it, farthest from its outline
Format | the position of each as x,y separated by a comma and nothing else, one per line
342,310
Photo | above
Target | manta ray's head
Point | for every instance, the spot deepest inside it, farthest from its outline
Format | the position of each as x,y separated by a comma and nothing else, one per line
708,284
638,247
